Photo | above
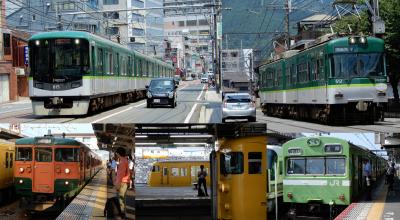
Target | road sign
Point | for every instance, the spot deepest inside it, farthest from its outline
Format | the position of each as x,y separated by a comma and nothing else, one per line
26,55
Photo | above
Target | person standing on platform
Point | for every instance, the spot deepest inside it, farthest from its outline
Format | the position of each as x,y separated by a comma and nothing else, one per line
123,177
202,174
113,169
391,173
367,178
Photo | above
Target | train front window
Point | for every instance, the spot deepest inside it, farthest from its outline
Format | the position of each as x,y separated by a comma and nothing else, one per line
296,166
254,160
232,163
67,154
24,154
59,60
43,154
315,166
357,65
335,166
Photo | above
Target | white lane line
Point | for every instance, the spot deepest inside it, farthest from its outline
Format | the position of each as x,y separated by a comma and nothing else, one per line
187,119
183,87
16,110
116,113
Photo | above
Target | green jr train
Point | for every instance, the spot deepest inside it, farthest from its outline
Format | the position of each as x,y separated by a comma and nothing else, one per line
325,174
73,73
334,80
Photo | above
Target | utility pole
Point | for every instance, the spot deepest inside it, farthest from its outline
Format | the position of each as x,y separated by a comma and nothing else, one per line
59,24
287,30
216,61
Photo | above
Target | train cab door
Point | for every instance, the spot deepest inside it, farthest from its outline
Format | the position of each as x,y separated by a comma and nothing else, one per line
43,170
164,178
354,173
81,166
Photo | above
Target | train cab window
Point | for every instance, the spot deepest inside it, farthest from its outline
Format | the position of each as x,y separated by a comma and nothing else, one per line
174,171
100,65
24,154
156,169
232,163
254,160
43,154
271,158
67,154
335,166
165,171
7,159
296,166
315,166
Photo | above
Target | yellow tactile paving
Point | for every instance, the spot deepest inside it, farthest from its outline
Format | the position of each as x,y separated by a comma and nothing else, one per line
101,198
377,208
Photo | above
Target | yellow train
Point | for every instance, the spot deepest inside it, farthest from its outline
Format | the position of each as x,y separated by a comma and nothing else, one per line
177,173
7,157
241,164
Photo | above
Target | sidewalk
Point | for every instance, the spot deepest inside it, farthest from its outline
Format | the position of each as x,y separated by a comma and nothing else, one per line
211,110
20,100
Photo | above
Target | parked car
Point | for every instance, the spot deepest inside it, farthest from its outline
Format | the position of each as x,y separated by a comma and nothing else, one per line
161,91
238,106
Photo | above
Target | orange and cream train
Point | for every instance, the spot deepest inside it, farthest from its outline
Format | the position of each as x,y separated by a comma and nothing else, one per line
49,171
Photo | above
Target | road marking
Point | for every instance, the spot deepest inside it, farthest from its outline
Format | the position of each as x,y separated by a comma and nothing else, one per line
187,119
376,211
116,113
17,110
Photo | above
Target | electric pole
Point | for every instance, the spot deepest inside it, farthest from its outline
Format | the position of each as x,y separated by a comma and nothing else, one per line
287,37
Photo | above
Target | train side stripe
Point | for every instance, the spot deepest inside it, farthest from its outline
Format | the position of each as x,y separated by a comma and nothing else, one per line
332,182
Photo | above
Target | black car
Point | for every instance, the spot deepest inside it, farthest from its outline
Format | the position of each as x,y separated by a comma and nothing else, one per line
161,92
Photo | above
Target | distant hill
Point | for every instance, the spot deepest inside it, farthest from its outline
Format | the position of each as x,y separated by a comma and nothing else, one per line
251,16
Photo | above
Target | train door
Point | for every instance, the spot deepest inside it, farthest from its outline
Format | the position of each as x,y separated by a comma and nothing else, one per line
354,174
3,157
360,173
81,166
93,70
9,172
164,178
43,172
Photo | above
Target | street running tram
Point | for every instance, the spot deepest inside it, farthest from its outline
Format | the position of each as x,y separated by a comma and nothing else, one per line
241,175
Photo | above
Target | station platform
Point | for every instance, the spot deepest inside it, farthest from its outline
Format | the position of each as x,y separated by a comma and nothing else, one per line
90,202
384,205
171,203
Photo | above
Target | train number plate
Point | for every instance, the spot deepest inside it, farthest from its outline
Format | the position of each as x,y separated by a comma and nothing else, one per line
156,100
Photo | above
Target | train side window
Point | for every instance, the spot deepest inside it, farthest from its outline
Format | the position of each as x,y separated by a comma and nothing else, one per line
110,62
231,163
183,171
11,160
296,166
6,159
156,169
254,160
280,167
335,166
100,65
67,154
24,154
174,171
165,171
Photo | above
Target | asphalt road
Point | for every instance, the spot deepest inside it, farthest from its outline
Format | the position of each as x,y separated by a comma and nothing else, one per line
291,126
190,100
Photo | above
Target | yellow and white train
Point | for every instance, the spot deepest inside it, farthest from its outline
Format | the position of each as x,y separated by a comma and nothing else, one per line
177,173
7,157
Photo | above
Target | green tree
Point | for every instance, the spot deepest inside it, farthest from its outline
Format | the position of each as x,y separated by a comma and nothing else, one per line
356,24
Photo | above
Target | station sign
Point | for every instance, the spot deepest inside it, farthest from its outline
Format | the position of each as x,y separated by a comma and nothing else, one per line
26,55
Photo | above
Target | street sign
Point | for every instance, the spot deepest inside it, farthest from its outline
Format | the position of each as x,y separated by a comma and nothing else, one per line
219,30
26,55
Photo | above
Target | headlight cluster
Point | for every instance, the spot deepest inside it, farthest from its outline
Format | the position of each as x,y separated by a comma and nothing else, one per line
149,94
21,170
67,170
171,95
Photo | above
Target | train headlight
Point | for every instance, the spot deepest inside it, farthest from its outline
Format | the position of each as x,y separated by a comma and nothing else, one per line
363,40
381,87
67,170
227,206
149,94
352,40
76,41
21,181
171,95
224,188
21,170
37,42
290,195
66,182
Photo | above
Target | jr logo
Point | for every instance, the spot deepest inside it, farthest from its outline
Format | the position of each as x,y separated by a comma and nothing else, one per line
334,183
338,81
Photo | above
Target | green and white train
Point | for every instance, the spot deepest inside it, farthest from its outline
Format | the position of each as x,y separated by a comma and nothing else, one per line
275,176
336,80
325,174
72,73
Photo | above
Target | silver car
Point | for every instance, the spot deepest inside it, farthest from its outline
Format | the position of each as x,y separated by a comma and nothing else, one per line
238,106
